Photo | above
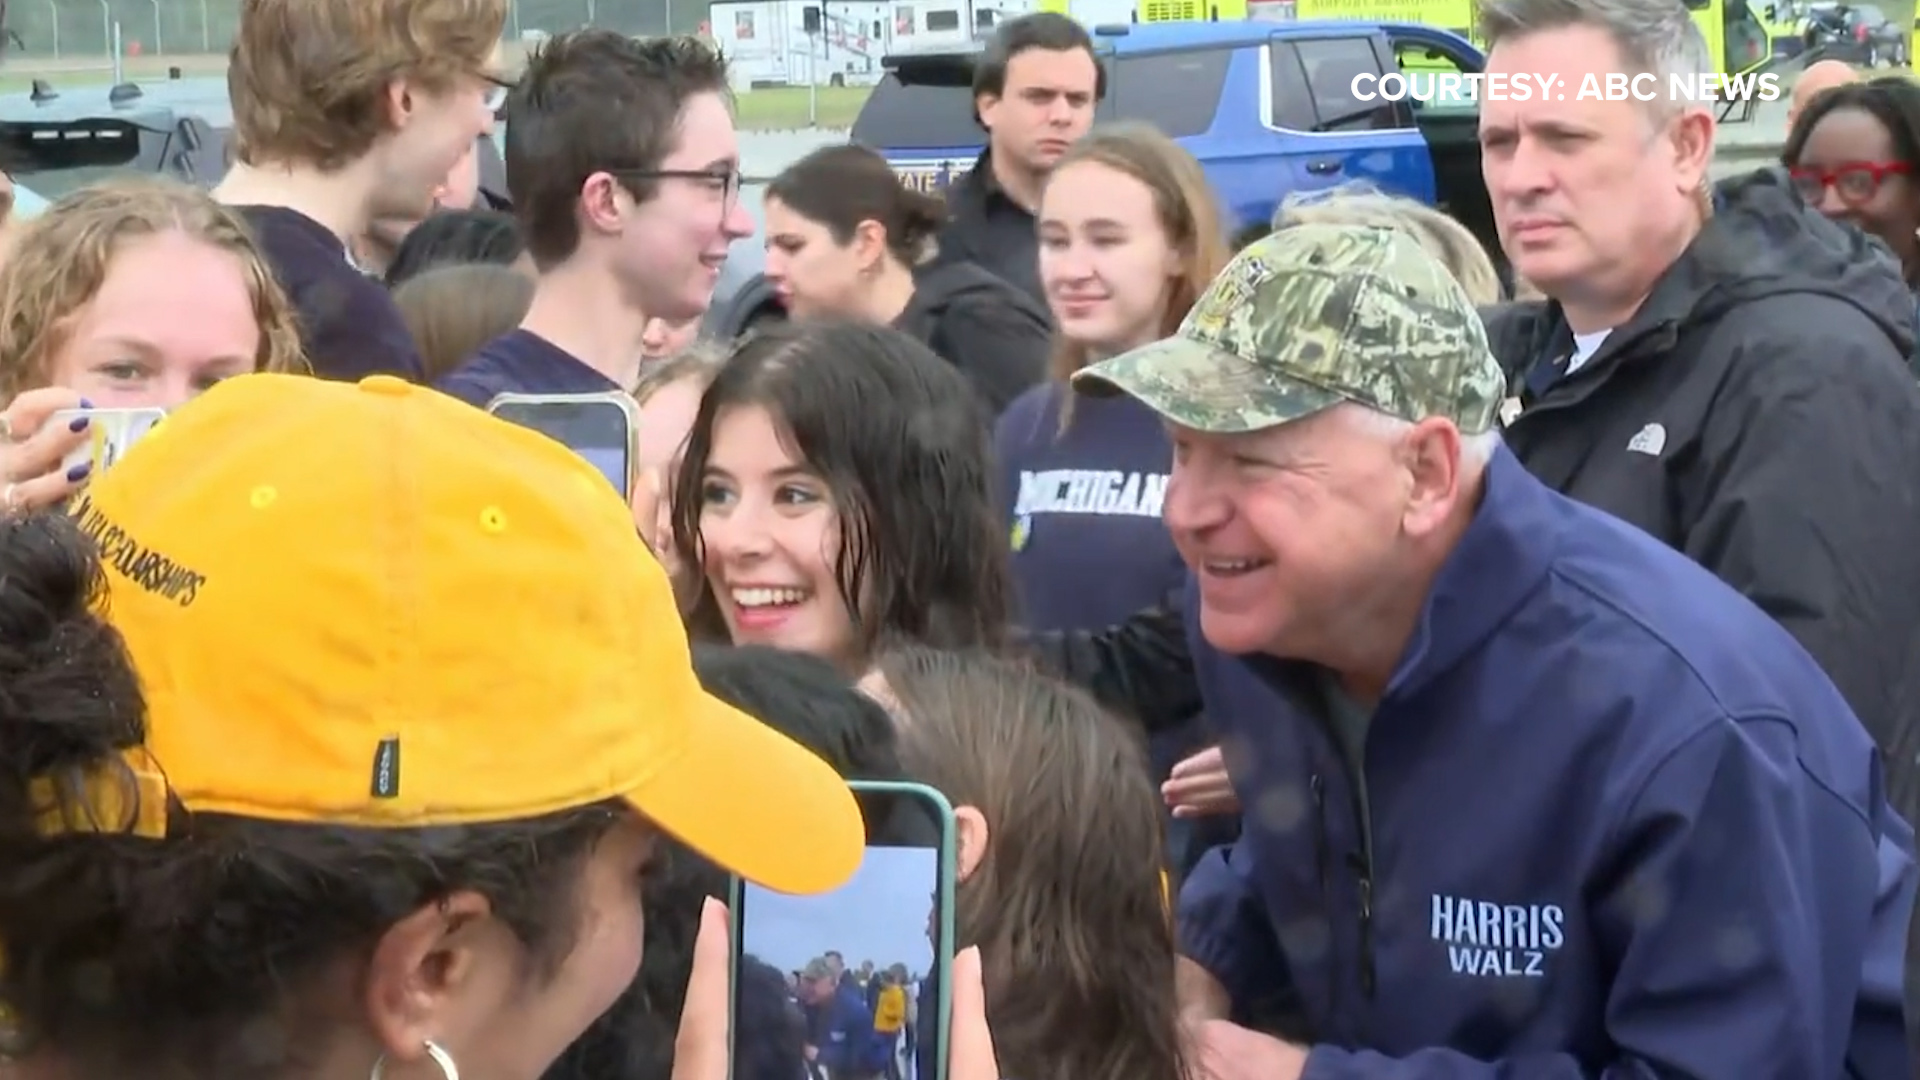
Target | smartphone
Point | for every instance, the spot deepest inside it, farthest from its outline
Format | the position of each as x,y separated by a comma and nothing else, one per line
854,984
598,427
110,434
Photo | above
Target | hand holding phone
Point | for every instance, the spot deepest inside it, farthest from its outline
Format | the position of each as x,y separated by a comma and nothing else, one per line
854,984
111,434
32,447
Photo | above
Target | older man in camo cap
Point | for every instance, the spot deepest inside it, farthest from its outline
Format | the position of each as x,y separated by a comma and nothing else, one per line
1517,777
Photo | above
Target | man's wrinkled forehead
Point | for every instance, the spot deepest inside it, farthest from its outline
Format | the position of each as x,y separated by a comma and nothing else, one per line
1554,66
1276,444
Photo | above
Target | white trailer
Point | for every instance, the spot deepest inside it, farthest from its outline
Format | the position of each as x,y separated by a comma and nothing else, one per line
801,42
837,42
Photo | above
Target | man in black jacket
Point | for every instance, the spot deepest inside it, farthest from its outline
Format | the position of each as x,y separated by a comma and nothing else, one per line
1729,374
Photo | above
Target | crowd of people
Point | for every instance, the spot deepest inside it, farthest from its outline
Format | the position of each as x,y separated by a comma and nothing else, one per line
1359,655
860,1022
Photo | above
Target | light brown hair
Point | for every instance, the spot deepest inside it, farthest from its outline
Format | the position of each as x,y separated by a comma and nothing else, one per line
309,78
1067,905
58,261
453,310
1188,213
700,360
1444,238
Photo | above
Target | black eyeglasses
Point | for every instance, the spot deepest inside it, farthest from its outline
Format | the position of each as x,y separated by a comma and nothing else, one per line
497,88
724,181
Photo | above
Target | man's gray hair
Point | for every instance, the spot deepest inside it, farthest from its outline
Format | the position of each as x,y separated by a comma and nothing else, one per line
1654,36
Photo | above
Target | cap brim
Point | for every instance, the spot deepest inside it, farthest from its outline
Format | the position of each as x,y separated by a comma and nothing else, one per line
757,803
1207,389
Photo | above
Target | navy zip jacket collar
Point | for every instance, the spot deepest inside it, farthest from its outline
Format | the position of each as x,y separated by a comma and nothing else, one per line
1609,820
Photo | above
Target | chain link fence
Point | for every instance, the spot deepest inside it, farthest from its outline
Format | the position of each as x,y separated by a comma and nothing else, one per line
56,35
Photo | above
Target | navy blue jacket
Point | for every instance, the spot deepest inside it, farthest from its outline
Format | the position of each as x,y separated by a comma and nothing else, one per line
1617,823
846,1028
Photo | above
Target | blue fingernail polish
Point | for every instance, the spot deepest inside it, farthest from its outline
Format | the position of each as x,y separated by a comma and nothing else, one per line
85,404
79,472
79,423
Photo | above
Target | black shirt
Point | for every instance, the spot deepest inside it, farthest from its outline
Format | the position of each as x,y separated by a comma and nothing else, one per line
987,228
349,326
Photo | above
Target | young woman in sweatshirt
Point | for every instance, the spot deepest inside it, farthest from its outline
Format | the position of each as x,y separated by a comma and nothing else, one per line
1129,236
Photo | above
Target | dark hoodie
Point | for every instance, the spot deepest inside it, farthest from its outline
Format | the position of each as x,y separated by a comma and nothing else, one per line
995,334
1759,415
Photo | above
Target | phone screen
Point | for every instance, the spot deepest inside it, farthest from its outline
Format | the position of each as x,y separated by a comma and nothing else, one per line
111,434
850,985
596,430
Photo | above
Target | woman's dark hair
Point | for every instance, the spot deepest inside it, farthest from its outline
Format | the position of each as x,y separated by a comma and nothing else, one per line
841,186
901,442
1894,100
127,956
1068,905
804,698
456,236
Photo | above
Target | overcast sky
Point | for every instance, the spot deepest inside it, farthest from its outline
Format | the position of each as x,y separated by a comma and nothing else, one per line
880,915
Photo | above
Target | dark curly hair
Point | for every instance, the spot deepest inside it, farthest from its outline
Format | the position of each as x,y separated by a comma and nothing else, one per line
1894,100
806,699
902,444
166,959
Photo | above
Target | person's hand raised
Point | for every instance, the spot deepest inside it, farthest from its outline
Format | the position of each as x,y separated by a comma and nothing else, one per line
1200,786
32,449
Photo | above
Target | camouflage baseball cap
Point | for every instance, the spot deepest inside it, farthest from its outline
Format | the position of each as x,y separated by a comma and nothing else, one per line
1311,316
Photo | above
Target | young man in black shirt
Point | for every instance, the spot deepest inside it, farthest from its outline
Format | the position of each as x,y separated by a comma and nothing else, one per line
346,112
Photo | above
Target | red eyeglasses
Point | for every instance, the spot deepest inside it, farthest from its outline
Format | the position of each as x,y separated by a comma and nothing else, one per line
1856,182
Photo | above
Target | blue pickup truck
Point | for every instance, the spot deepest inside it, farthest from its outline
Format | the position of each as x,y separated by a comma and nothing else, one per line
1267,107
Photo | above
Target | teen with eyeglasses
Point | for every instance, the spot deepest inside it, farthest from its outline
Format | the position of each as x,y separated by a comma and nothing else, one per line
624,169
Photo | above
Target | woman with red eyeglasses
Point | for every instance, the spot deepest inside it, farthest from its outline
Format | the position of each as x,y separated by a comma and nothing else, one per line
1854,155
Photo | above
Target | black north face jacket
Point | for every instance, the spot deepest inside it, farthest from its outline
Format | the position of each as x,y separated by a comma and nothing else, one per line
1759,414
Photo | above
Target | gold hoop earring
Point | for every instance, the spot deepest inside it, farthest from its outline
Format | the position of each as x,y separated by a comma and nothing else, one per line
441,1060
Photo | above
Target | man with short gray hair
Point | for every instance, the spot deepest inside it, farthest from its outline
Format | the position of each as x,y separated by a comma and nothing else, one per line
1528,794
1720,366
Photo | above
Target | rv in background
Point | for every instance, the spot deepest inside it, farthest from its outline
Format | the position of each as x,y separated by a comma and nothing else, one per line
809,42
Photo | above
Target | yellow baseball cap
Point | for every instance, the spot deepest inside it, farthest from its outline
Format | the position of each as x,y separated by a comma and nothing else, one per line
373,605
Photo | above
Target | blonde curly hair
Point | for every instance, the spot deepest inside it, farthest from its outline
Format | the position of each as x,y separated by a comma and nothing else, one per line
57,262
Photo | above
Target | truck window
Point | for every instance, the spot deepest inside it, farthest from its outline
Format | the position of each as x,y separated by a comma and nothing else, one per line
943,20
1428,95
1331,65
1292,98
1177,92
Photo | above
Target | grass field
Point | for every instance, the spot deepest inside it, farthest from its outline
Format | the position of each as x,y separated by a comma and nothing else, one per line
19,71
784,108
